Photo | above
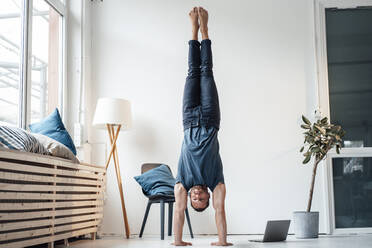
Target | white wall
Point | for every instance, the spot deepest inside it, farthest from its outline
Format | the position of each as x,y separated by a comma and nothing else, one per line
79,73
265,72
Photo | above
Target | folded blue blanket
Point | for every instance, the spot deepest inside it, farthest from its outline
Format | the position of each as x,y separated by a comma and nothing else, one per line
157,181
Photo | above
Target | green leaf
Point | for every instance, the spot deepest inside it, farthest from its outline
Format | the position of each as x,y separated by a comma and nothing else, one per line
302,149
307,159
324,120
305,126
307,153
315,149
306,120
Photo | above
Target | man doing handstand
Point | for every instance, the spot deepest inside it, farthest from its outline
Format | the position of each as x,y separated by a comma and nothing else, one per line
200,165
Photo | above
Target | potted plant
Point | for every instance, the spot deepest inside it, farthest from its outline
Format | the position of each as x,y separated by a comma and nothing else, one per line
320,137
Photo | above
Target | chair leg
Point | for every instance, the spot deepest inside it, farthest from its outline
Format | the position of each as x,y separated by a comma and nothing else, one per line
162,219
170,218
188,222
145,218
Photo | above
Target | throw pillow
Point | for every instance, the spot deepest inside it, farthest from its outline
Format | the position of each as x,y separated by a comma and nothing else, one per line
157,181
18,139
55,148
52,126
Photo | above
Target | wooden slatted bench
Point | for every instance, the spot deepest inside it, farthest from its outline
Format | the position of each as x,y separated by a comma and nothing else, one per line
44,199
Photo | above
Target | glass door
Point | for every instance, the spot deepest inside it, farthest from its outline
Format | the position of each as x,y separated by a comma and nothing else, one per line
349,56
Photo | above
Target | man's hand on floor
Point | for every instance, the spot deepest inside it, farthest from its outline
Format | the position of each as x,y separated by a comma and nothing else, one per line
181,243
221,244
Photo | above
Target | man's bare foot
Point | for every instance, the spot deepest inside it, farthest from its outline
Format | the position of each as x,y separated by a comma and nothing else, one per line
181,243
203,17
194,18
221,244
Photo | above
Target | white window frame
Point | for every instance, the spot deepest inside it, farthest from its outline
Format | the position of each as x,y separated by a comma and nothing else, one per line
323,104
345,153
26,53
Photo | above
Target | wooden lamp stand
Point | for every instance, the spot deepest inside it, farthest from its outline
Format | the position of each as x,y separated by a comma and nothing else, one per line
114,114
113,134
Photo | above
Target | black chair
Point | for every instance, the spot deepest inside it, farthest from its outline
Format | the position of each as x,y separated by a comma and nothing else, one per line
162,199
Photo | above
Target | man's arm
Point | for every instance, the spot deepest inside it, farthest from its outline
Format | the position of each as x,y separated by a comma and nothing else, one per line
219,194
179,214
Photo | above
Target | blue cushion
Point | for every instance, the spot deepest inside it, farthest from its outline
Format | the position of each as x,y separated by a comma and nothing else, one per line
157,181
52,126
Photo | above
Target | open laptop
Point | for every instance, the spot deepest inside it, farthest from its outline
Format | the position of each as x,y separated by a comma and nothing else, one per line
276,230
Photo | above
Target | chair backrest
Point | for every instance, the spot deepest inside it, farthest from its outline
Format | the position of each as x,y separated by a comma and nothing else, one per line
149,166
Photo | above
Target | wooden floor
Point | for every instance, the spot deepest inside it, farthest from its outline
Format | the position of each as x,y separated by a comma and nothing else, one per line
353,241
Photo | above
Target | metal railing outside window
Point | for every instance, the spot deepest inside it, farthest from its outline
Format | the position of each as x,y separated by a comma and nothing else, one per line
32,53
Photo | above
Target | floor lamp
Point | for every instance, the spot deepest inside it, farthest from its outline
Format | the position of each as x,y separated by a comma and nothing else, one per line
114,115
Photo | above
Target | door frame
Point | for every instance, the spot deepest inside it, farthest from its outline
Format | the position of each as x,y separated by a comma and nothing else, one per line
323,107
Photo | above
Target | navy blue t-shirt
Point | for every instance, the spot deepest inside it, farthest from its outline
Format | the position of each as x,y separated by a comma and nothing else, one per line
200,162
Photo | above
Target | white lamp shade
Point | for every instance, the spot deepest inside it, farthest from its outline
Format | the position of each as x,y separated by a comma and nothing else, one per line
113,111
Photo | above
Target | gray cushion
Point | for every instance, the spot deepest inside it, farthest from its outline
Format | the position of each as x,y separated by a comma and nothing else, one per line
55,148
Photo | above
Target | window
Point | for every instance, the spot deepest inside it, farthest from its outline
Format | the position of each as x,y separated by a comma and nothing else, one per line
349,56
10,43
31,59
344,65
45,76
352,183
349,51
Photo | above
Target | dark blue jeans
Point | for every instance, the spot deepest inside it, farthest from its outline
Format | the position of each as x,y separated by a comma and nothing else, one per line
200,97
